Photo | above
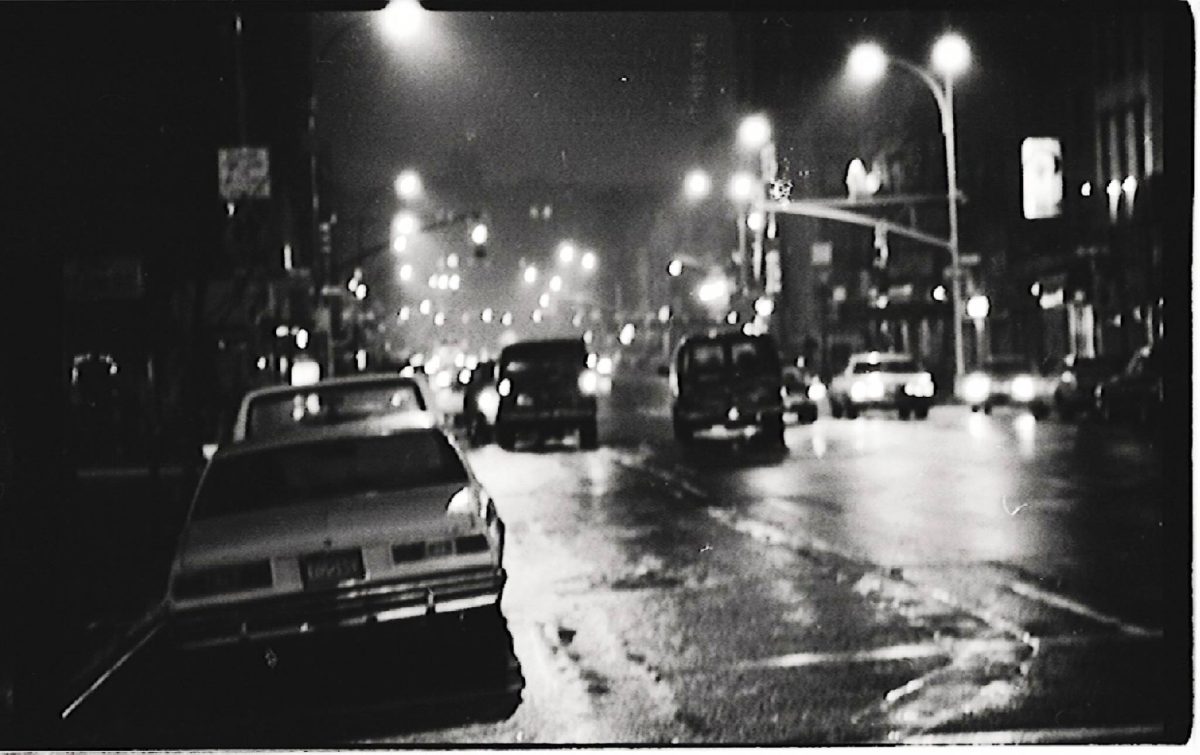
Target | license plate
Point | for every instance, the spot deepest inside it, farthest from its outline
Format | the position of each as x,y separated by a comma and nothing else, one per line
329,569
438,548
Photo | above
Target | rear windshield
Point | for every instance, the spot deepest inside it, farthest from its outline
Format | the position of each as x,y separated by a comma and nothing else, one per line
712,358
273,415
888,365
1007,366
544,362
281,477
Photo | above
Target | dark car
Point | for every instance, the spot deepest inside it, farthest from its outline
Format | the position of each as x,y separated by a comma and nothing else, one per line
480,402
801,392
1136,393
730,382
1076,380
546,388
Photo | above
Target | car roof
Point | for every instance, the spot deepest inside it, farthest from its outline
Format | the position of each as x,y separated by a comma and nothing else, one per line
409,423
338,382
882,356
722,335
546,345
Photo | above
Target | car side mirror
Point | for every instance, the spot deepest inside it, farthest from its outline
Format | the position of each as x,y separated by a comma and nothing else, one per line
663,370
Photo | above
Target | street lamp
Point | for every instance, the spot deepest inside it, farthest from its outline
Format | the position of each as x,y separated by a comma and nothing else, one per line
479,234
566,252
754,132
404,224
403,19
588,261
951,56
531,274
697,185
408,185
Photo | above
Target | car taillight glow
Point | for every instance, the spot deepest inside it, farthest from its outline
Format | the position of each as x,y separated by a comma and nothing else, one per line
1023,388
816,391
588,383
505,387
488,402
976,387
921,386
223,579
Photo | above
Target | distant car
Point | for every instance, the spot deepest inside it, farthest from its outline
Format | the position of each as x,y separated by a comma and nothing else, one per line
1135,393
279,410
801,392
879,380
481,402
729,382
1076,379
333,528
546,388
1007,381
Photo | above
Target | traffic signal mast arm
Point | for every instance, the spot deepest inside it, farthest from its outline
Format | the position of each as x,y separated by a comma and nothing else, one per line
370,251
832,209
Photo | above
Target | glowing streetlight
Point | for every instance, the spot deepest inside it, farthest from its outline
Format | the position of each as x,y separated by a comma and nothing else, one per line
951,55
301,338
403,19
452,261
867,62
675,268
697,185
754,132
281,331
566,252
486,315
628,333
439,319
664,313
360,292
479,234
408,185
588,261
531,274
506,318
764,307
406,272
425,306
400,244
536,316
713,289
741,187
544,300
556,284
455,282
978,307
404,224
404,314
756,221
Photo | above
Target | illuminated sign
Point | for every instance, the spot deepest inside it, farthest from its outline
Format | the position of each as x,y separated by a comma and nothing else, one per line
1041,178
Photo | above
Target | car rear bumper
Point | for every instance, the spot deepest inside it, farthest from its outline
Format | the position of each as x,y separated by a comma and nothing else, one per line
517,416
700,419
304,613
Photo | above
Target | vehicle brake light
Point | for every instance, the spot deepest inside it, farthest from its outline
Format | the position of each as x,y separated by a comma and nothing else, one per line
505,387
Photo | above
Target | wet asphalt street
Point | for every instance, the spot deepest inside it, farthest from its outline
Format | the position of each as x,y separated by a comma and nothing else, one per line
967,578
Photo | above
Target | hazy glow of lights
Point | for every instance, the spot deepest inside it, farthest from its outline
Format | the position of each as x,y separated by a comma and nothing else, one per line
455,282
1114,188
301,338
866,63
556,284
1086,189
531,274
452,261
754,131
261,363
588,261
697,185
425,306
764,306
360,359
406,272
443,281
675,268
305,372
978,307
819,445
360,293
566,252
281,331
403,20
400,244
405,313
712,290
544,300
404,224
741,187
628,333
1129,184
486,315
506,318
939,293
439,319
756,221
408,184
588,336
577,320
1035,289
1025,427
732,318
664,313
536,316
951,55
433,281
977,426
479,234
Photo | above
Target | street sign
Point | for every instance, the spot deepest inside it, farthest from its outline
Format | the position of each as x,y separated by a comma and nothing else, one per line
244,173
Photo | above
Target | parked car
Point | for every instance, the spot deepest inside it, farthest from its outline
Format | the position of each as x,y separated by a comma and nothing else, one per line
1076,378
1007,381
333,528
1135,393
728,382
801,392
546,388
277,410
875,380
481,402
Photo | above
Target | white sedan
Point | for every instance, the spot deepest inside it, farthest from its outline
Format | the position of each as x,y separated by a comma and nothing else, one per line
340,526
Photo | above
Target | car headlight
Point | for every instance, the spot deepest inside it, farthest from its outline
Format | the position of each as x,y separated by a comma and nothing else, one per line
816,391
1023,388
505,387
222,579
976,387
588,383
488,401
858,391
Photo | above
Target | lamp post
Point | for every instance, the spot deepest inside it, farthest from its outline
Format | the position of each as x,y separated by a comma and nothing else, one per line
950,57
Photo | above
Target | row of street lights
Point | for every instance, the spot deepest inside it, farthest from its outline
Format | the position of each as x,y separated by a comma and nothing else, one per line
867,63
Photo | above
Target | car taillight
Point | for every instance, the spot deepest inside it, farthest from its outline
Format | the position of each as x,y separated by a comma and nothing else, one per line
469,502
588,383
505,387
222,579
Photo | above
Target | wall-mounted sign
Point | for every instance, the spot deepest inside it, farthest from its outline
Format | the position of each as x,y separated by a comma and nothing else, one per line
822,253
1041,177
774,281
244,173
